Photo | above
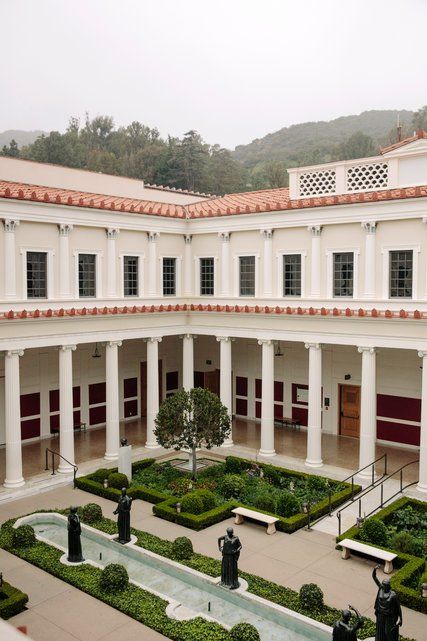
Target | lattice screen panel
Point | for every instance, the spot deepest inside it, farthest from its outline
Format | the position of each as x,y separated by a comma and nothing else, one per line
365,177
315,183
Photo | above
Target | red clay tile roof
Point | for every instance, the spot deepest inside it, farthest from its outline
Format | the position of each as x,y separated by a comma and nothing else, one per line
417,136
251,202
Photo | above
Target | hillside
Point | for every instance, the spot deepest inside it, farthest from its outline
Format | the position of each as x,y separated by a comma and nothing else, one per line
319,141
20,136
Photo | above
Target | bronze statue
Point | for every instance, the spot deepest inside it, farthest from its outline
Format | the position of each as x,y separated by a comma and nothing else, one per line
74,543
230,546
387,610
123,521
343,630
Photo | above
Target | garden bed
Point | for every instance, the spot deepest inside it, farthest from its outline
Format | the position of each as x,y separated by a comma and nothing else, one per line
402,529
12,601
224,486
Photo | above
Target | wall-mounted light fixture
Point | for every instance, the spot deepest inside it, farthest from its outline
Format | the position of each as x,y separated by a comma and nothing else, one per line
96,353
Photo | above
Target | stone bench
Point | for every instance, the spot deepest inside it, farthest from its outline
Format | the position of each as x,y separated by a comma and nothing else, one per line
242,512
369,550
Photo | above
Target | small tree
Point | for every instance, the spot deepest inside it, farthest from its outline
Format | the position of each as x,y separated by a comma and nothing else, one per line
192,419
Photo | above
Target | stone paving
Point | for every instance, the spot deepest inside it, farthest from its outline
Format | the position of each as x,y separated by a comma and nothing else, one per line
290,560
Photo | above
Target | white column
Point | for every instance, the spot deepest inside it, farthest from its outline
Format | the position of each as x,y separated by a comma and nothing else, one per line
267,257
314,428
422,478
64,261
225,263
370,229
112,235
316,231
66,421
188,290
152,263
267,398
368,411
152,389
9,258
188,362
112,389
225,391
14,476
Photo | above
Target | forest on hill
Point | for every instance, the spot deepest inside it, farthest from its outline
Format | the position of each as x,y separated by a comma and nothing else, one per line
189,163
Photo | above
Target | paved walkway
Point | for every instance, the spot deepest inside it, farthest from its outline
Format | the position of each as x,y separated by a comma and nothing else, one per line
290,560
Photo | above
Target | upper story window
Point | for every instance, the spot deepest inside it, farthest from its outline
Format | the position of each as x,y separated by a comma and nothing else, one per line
343,274
169,276
87,275
130,275
292,275
247,275
207,277
401,273
36,274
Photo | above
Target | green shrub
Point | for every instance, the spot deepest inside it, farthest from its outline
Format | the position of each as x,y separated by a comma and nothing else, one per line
182,548
311,597
233,465
374,531
288,504
316,484
244,632
405,542
118,480
114,578
100,475
208,499
272,473
192,503
23,536
91,513
12,601
265,501
232,486
181,485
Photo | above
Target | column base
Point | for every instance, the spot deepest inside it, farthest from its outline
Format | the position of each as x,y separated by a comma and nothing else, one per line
227,443
267,452
366,478
10,485
111,456
422,487
65,469
152,446
309,463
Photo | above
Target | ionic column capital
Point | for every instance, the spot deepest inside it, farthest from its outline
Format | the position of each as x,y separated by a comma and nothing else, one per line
224,236
114,343
153,236
64,229
15,352
313,345
267,234
370,227
187,336
187,239
315,230
265,341
66,348
10,224
153,339
112,233
225,339
422,353
370,350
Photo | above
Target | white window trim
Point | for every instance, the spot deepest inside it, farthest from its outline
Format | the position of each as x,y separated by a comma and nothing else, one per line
385,251
197,283
178,275
98,276
279,259
49,266
141,271
330,272
236,271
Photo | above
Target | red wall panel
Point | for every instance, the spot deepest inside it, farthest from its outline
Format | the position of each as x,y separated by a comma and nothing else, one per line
241,386
398,432
30,404
171,381
130,387
54,422
241,407
278,391
96,393
76,397
77,417
258,409
54,400
199,379
294,393
300,414
131,408
258,388
278,411
97,415
30,429
399,407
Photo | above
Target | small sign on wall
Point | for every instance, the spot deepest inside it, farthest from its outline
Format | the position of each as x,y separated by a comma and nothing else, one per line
302,395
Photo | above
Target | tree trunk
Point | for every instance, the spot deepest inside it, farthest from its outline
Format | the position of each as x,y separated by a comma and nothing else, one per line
194,462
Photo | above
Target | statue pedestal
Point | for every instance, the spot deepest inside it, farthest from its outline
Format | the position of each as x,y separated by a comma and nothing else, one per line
125,461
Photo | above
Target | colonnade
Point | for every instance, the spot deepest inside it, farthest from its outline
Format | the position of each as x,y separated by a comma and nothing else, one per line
14,476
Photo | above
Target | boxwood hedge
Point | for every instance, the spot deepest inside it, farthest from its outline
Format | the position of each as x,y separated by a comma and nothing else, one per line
12,601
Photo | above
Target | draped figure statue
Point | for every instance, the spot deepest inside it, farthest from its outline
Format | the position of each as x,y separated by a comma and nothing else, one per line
387,611
74,542
123,520
343,630
230,546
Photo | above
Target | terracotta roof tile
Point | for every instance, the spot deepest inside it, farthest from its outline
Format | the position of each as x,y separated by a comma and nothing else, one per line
417,136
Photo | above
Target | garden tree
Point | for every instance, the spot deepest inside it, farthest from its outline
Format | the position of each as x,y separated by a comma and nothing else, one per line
11,150
359,145
419,120
276,175
192,419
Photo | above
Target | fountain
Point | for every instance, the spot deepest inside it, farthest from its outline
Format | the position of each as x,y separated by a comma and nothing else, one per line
189,593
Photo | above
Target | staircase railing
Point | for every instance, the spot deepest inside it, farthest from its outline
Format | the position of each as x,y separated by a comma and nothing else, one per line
53,454
379,483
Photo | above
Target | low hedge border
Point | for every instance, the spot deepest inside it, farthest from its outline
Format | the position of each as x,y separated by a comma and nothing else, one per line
409,568
166,510
12,601
150,609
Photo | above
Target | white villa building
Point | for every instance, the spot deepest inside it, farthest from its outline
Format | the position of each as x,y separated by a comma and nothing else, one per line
308,303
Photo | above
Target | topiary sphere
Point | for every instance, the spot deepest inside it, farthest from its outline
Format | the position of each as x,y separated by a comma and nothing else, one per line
208,499
182,548
192,503
23,536
91,513
374,531
114,578
311,597
265,501
244,632
100,475
118,480
232,486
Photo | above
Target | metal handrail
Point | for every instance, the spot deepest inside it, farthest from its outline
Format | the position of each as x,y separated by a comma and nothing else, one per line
379,483
53,454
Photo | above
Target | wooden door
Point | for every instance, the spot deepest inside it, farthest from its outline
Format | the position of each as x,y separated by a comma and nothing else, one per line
212,381
143,379
350,410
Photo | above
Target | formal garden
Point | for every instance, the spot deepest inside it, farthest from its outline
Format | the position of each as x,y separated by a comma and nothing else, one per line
401,528
12,600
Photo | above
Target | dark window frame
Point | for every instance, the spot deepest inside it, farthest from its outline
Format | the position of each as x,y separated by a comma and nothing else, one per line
169,273
247,270
401,273
343,274
130,278
87,289
37,274
292,279
207,279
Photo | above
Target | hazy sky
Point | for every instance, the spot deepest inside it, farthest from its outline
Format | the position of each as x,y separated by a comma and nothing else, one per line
232,69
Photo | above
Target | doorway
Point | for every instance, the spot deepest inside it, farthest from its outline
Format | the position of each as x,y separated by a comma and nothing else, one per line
143,380
349,419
